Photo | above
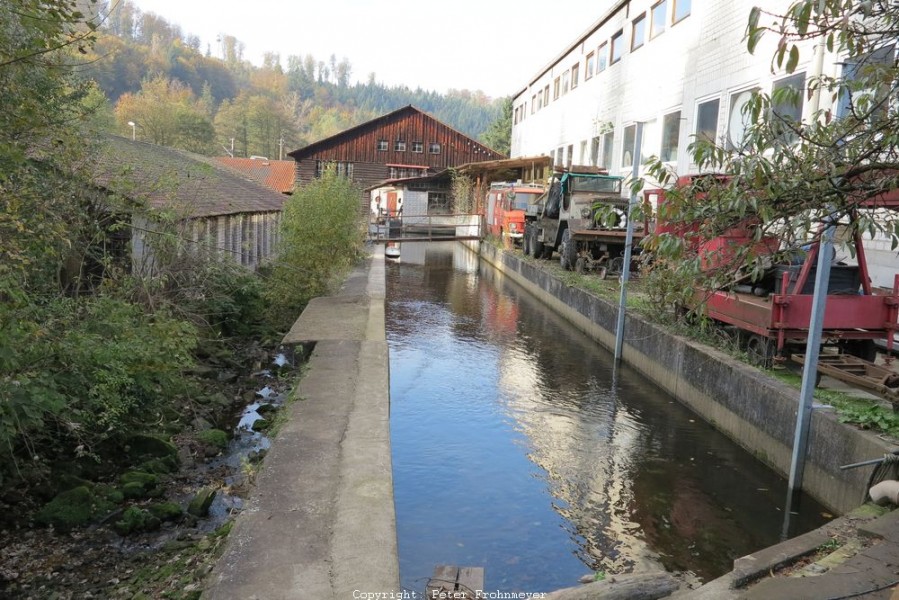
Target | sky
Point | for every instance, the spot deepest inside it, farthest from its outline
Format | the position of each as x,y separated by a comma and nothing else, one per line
489,45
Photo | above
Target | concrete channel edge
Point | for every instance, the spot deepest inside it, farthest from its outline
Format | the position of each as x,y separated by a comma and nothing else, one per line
321,521
752,408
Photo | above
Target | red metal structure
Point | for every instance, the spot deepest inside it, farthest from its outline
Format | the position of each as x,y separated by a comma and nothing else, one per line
768,321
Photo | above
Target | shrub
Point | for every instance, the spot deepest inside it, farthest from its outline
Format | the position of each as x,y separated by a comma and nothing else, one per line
81,372
321,235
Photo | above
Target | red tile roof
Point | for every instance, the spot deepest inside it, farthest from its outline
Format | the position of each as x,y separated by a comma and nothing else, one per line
273,174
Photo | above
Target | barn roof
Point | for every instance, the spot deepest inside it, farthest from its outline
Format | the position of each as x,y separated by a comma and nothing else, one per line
166,178
374,123
274,174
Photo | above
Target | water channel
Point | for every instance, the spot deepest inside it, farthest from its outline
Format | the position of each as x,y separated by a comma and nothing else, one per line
517,448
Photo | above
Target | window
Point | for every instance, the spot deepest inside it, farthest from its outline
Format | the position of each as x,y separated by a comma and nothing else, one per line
434,148
418,147
556,87
399,146
627,150
707,120
870,103
602,57
574,75
343,169
560,156
591,64
582,159
382,145
570,156
607,140
564,83
737,122
659,18
638,32
670,136
533,103
546,95
404,172
681,10
786,104
515,117
594,151
539,100
439,203
617,47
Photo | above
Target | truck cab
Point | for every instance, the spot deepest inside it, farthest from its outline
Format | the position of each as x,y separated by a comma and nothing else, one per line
506,206
583,217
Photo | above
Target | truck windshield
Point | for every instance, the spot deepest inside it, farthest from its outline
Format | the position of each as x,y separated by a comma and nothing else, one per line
522,199
595,184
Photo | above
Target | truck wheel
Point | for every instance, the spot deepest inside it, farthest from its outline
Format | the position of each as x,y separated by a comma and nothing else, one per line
761,351
580,266
863,349
526,241
567,251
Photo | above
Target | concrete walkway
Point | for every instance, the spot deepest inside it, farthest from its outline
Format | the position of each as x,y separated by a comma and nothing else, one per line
321,521
855,556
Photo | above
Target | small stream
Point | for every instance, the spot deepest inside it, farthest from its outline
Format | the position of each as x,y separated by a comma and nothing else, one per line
517,447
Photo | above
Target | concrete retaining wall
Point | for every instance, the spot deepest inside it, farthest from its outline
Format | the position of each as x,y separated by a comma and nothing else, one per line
321,522
755,410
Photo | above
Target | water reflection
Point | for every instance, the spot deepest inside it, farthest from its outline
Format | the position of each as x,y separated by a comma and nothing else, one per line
515,450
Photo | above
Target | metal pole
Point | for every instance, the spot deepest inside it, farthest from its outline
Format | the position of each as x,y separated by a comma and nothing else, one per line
628,244
807,390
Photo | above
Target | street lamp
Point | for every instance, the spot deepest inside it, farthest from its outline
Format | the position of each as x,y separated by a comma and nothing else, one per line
133,130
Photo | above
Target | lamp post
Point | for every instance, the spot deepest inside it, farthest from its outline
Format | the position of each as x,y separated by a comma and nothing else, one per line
133,130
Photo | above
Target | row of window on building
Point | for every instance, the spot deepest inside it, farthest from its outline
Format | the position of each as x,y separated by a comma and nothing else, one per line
598,150
400,146
609,52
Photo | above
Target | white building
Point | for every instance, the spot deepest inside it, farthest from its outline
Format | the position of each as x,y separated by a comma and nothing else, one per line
680,67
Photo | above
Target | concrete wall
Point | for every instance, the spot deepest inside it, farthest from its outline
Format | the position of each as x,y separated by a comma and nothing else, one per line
755,410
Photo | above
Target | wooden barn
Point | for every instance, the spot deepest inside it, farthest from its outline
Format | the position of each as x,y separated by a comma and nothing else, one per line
404,143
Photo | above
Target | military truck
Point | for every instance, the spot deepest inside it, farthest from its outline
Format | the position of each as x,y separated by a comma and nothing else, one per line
583,217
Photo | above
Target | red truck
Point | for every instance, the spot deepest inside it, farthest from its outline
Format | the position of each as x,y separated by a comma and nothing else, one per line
506,204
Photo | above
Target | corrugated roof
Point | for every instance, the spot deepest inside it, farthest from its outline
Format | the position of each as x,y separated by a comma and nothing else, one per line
274,174
194,185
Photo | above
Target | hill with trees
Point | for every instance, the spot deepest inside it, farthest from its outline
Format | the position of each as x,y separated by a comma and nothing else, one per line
214,100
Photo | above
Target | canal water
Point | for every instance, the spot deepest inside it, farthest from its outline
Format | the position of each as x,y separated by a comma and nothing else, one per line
518,448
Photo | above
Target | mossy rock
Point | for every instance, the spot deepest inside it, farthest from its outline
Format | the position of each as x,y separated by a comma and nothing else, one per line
266,410
109,493
73,508
160,466
199,505
133,490
262,425
150,446
145,479
67,481
214,437
166,511
136,520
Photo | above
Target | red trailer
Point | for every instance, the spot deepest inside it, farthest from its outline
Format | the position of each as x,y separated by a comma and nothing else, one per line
770,318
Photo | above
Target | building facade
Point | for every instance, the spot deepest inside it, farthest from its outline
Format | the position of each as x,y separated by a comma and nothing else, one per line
679,67
402,144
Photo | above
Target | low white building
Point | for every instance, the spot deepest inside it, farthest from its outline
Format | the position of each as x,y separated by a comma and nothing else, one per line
680,67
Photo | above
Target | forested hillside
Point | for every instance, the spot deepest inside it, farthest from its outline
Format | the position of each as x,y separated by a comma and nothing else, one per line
212,100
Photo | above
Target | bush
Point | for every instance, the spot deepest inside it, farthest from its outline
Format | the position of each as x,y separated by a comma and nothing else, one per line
81,372
321,236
